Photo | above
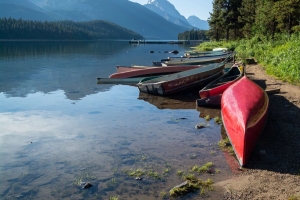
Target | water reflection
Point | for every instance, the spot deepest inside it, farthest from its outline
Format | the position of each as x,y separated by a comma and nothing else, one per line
28,67
59,129
28,49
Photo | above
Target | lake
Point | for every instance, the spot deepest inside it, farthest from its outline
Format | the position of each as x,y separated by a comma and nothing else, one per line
61,130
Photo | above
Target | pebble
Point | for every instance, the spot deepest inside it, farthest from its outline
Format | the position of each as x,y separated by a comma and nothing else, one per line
87,185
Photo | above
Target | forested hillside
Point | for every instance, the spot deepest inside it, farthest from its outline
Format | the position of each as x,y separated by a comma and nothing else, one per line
193,35
234,19
62,30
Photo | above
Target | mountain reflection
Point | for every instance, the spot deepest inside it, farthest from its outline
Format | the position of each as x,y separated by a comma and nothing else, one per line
46,66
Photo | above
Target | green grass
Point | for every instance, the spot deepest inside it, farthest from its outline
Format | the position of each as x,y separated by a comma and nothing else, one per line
280,56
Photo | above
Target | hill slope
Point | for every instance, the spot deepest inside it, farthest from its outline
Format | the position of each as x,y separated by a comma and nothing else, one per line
127,14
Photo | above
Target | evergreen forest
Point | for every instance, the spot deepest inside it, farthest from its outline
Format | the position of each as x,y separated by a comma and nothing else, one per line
267,31
235,19
193,35
63,30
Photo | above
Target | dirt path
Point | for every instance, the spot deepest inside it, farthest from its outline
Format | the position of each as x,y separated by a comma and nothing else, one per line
274,169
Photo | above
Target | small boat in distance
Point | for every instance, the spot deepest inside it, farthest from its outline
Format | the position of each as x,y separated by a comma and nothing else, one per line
244,110
219,85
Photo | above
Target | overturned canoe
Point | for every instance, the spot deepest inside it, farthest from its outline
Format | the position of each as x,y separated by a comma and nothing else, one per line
244,109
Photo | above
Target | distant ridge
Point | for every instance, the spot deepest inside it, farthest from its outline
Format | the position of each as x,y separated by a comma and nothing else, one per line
198,23
167,10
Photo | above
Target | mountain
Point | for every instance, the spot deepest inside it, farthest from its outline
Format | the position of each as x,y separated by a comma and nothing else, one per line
198,23
21,9
125,13
165,9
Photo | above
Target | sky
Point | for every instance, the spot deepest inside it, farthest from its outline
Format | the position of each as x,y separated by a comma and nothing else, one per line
199,8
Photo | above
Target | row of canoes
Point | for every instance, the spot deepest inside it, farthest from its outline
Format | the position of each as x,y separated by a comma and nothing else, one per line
244,105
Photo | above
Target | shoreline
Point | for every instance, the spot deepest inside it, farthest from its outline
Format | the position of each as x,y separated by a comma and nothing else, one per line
275,174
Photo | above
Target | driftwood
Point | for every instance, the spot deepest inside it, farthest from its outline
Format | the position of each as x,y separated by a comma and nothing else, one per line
272,91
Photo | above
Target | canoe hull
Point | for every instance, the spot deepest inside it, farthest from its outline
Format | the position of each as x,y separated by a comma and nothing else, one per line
195,61
244,110
151,71
218,86
181,81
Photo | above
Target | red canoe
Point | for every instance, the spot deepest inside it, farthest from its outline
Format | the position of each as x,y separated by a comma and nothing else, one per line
219,85
244,109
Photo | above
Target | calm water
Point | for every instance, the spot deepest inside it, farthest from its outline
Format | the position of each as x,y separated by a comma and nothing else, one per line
58,128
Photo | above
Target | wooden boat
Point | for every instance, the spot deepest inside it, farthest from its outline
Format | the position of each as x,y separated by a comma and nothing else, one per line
202,53
196,56
152,71
177,82
219,85
138,67
244,109
123,81
199,61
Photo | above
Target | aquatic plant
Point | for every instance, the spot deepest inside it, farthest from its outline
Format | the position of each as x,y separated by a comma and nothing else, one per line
190,177
218,120
136,172
163,194
180,173
193,156
112,182
207,118
114,198
191,185
203,168
225,145
143,158
84,177
154,174
167,170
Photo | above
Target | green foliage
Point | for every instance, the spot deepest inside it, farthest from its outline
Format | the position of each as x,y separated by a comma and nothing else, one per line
209,46
280,55
63,30
233,19
193,35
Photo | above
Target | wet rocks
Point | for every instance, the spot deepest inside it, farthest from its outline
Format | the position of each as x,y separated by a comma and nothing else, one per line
87,185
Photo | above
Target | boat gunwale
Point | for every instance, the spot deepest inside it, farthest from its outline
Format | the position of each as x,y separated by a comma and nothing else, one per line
153,81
